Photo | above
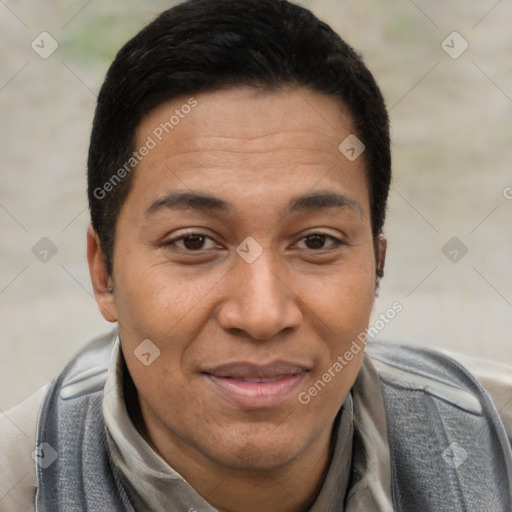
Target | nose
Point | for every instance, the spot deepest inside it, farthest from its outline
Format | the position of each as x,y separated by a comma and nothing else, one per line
260,303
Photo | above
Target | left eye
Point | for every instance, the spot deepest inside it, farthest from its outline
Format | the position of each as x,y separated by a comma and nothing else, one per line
317,241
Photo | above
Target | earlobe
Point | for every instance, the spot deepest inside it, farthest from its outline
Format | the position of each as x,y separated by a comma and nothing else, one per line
381,249
101,281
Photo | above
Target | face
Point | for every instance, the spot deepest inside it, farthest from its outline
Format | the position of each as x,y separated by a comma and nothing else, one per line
244,253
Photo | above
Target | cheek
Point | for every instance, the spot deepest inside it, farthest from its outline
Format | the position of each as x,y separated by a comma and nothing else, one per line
342,299
154,299
341,310
162,305
324,395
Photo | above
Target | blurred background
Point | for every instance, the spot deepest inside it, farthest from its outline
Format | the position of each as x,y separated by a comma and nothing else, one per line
446,73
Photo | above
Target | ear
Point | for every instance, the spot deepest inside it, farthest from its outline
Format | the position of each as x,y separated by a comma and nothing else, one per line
380,254
101,281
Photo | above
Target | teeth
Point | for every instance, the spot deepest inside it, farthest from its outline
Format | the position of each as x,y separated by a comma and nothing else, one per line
267,379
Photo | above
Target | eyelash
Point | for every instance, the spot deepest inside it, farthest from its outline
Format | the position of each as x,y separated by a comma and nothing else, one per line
336,241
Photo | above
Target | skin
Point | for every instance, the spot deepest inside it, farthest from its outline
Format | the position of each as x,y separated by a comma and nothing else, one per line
303,299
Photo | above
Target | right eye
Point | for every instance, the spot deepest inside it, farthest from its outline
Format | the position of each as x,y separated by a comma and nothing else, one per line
191,242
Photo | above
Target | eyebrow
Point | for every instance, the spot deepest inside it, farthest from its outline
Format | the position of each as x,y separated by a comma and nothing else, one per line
313,201
188,201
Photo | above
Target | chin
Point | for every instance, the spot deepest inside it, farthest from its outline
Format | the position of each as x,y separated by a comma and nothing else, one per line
263,451
255,458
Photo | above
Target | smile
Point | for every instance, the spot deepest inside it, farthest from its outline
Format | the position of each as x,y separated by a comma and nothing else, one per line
257,387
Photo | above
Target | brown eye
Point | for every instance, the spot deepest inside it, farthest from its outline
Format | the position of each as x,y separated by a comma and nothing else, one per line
319,241
193,242
315,241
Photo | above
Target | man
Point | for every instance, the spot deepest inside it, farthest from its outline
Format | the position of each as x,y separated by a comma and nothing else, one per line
238,174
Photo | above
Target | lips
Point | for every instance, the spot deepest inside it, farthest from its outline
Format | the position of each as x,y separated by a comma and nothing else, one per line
252,386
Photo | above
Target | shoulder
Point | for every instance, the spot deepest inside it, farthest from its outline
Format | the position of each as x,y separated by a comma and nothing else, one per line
83,374
496,378
444,432
457,378
18,426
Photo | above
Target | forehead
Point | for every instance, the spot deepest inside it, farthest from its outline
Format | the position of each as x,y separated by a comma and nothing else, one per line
224,113
247,144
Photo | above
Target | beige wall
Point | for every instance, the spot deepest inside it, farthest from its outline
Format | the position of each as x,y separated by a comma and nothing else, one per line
451,118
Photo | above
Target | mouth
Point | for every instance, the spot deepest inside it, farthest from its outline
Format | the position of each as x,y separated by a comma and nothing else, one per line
249,386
